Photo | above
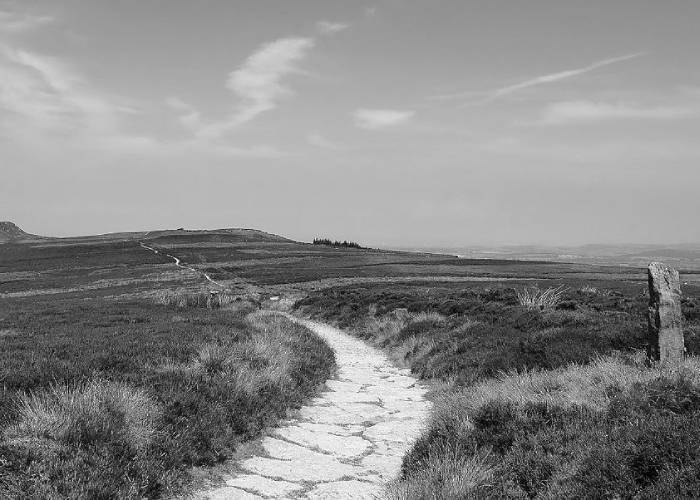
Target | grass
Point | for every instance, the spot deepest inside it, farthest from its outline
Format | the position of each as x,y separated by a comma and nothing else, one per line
207,300
107,393
105,399
548,393
616,428
468,335
534,298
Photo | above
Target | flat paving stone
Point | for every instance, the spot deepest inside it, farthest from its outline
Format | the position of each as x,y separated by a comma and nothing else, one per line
346,490
339,446
231,493
264,486
298,471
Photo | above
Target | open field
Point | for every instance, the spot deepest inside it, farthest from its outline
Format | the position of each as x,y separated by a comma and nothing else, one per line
110,391
83,319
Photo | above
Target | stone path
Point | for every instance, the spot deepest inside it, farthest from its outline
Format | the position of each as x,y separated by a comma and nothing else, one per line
347,442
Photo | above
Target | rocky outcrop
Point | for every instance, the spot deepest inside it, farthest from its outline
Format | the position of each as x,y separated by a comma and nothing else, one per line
665,317
10,231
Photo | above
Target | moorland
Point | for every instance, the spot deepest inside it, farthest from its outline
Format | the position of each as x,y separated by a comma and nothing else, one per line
121,372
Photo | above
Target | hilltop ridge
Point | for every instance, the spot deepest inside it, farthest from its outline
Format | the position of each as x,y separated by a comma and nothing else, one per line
10,231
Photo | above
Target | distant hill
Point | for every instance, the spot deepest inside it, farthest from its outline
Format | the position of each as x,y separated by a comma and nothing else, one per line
227,235
681,256
9,231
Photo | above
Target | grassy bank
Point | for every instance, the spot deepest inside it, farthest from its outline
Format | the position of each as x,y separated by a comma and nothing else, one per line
109,399
615,428
548,398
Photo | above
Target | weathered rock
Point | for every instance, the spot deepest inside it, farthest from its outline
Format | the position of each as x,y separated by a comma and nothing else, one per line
665,318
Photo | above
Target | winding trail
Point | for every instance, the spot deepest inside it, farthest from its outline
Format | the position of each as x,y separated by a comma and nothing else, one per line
179,264
347,442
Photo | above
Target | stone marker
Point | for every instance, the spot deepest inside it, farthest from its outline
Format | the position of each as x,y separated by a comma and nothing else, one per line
665,317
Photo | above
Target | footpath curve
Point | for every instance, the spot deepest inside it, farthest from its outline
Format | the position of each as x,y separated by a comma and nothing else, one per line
348,442
179,264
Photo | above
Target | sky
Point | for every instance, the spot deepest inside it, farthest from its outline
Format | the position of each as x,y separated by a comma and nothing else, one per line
387,122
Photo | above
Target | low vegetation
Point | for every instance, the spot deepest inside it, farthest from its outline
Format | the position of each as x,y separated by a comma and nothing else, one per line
616,428
548,393
207,300
465,335
103,399
534,298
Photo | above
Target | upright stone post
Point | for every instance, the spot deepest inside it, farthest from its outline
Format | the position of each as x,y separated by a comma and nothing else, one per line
665,317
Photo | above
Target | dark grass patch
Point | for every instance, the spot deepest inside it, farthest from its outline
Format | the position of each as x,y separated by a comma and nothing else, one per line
645,445
486,330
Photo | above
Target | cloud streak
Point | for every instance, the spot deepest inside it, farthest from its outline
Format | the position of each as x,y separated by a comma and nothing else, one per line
330,28
582,112
14,23
486,97
375,119
39,93
257,84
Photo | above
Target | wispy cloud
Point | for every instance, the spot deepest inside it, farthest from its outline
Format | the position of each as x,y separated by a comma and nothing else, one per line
578,112
257,83
13,22
43,93
485,97
330,28
319,141
374,119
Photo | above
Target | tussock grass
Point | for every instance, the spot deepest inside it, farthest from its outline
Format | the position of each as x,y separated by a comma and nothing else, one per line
447,475
534,298
87,413
551,434
190,402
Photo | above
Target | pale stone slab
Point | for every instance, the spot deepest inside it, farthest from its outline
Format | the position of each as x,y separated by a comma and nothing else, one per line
339,446
300,470
349,397
346,490
367,411
329,415
284,450
385,466
230,493
264,486
337,385
398,431
339,430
